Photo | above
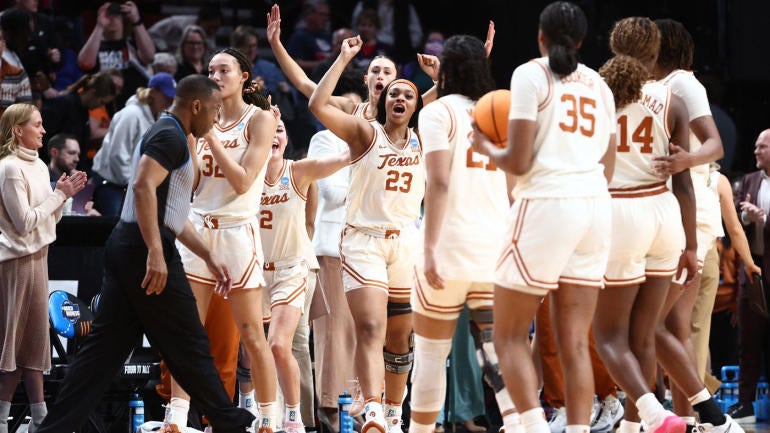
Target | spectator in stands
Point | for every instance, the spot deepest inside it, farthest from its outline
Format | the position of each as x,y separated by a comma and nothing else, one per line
166,34
32,45
14,83
69,111
112,163
67,70
164,62
192,55
29,210
434,45
63,154
99,117
119,41
320,69
400,25
246,39
310,43
367,25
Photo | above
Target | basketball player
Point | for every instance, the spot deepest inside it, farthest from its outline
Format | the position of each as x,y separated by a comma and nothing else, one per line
387,186
561,145
286,244
674,348
232,161
643,260
465,204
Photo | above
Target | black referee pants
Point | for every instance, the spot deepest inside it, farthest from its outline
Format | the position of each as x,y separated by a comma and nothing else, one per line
170,321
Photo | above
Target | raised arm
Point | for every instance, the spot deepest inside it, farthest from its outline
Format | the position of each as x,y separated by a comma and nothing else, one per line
145,48
241,175
354,130
290,67
308,170
87,56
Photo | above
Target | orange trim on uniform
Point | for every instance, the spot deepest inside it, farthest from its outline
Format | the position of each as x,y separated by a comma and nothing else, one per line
660,272
244,277
624,281
428,306
597,284
293,295
639,191
666,126
541,106
283,170
368,148
294,184
400,292
245,113
364,282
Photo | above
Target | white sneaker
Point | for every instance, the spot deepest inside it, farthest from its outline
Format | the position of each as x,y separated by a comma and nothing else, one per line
558,422
293,427
730,426
374,418
610,413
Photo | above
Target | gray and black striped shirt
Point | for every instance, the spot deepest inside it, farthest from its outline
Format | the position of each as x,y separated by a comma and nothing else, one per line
166,143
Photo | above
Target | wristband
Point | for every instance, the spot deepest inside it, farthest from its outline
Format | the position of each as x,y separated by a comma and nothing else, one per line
138,22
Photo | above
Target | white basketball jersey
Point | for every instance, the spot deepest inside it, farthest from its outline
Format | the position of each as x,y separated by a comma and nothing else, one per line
387,184
282,218
214,195
360,111
477,201
643,134
575,116
693,94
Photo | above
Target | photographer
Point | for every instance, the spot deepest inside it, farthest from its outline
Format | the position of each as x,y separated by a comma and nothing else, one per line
111,46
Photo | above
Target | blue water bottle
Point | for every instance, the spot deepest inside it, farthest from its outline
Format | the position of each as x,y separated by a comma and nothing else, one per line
135,413
344,401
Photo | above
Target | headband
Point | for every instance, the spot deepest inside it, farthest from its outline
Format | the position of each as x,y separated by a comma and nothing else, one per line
411,84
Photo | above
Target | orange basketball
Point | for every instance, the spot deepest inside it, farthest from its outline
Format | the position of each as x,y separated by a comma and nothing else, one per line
491,115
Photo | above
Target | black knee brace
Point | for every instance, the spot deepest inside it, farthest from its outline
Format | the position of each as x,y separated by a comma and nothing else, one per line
480,337
398,308
398,363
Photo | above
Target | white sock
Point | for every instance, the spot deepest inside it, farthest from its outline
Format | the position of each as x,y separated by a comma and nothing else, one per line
293,414
629,427
649,408
5,411
176,412
415,427
534,421
577,428
507,409
267,411
700,397
393,413
38,412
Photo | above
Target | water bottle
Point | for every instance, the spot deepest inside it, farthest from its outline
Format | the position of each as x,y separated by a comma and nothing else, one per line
135,413
344,401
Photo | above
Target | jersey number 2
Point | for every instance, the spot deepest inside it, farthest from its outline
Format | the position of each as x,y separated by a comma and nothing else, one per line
392,183
579,109
265,219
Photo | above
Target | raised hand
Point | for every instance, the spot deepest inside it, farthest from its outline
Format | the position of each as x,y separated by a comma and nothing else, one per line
273,31
429,64
351,47
490,38
755,213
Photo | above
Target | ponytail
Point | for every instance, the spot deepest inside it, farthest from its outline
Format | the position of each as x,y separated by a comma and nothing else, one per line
625,76
564,26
